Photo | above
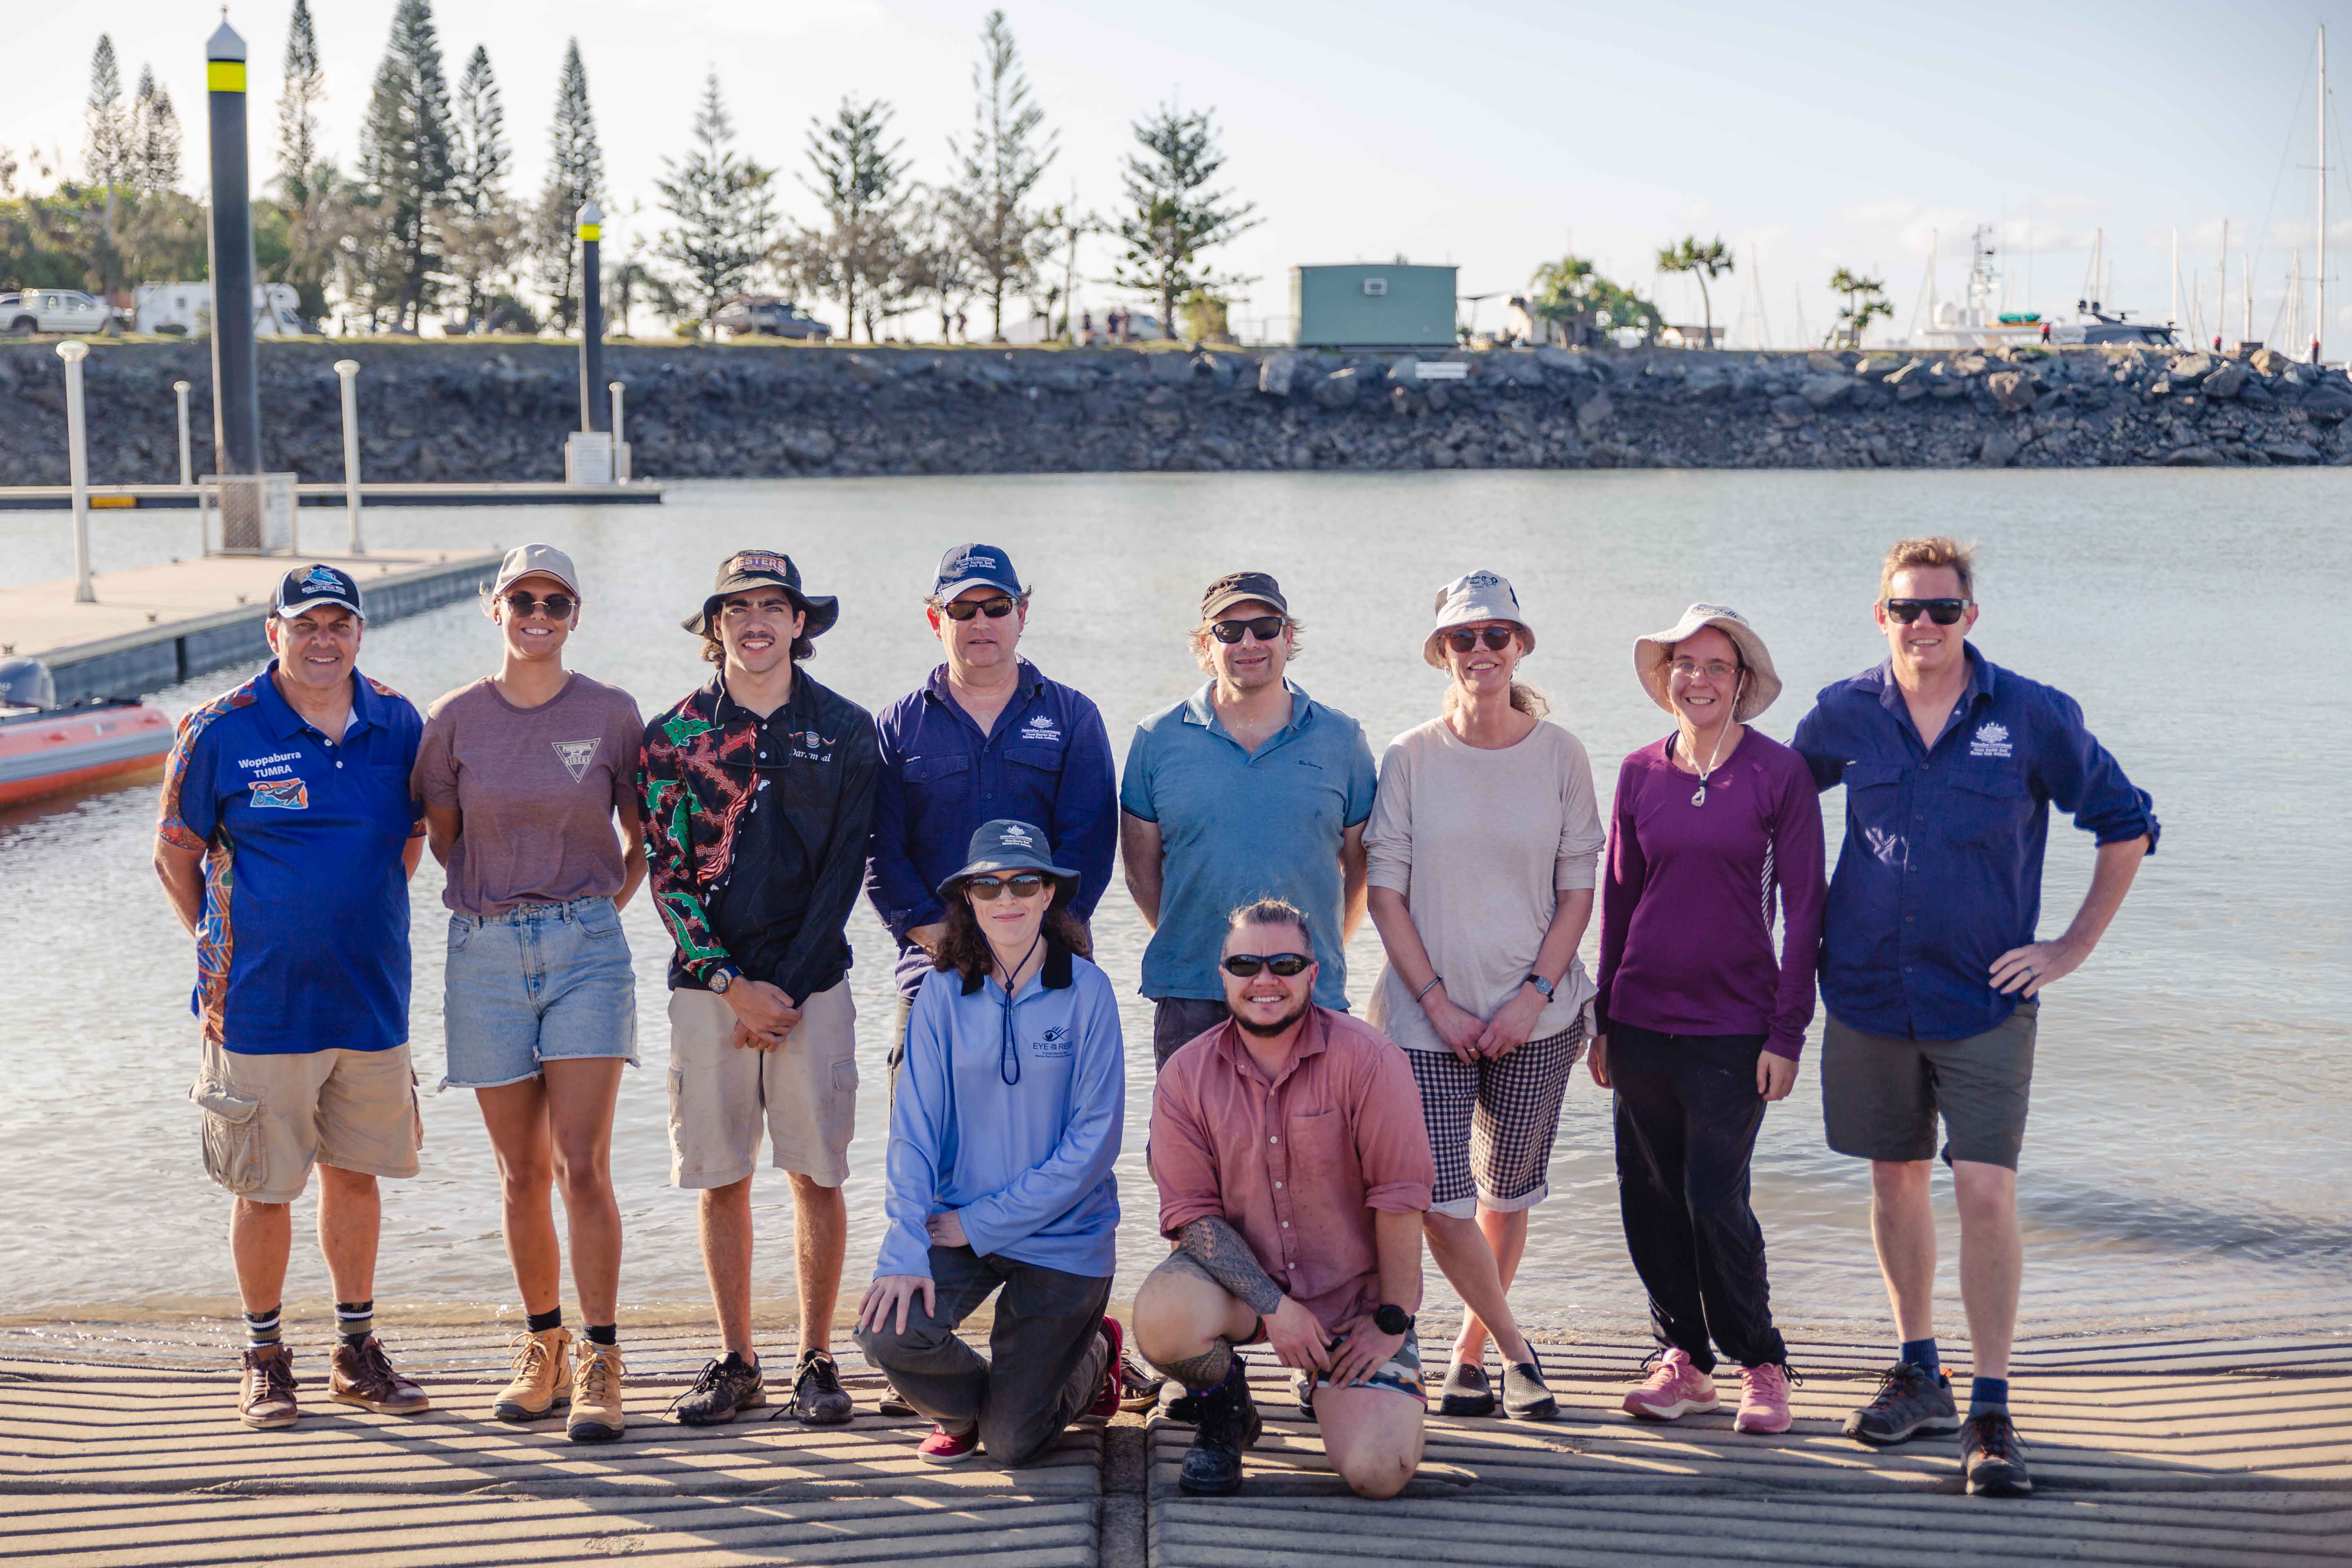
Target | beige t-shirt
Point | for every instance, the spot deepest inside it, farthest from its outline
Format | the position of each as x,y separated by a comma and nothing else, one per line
538,788
1479,842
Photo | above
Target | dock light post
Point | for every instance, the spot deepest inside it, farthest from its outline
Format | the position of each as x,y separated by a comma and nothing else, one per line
77,468
349,369
187,448
592,316
237,399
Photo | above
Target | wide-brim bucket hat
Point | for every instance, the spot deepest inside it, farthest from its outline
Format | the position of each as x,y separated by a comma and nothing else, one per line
1473,597
749,569
1653,653
1007,844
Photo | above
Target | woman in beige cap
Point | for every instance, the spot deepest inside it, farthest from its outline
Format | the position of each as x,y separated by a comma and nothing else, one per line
1696,1024
1482,846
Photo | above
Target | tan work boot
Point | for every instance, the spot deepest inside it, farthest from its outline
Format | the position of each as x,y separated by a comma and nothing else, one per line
265,1400
596,1416
542,1375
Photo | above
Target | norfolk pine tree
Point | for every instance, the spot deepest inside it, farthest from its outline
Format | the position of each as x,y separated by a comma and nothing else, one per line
479,228
864,254
723,208
302,89
575,173
154,138
998,172
404,160
1174,217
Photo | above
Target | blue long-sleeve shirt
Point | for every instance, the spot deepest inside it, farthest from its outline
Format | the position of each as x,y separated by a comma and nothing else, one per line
1026,1165
1941,870
1045,761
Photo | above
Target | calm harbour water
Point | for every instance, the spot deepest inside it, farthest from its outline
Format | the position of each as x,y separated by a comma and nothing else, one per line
2186,1167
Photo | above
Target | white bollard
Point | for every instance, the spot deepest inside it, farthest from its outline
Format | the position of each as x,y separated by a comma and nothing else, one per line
349,369
77,468
620,441
187,452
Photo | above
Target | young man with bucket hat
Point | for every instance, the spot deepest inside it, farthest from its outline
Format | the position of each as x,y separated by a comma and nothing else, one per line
1932,972
285,845
1699,1027
757,793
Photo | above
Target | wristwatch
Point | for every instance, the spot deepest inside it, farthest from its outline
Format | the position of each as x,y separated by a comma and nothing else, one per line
1543,987
1392,1320
721,979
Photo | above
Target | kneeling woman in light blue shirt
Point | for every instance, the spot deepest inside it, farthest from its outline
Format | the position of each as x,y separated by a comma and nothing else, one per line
1007,1122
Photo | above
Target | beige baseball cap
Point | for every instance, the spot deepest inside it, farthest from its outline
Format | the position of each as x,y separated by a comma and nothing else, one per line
524,560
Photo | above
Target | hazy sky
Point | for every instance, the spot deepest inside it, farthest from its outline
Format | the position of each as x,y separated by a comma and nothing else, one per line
1492,136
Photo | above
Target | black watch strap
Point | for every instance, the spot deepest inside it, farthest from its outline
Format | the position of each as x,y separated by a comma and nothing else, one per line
1392,1320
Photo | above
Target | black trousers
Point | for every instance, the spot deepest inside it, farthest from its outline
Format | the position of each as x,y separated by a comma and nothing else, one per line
1687,1116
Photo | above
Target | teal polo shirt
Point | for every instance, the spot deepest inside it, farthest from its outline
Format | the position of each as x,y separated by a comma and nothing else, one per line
1236,827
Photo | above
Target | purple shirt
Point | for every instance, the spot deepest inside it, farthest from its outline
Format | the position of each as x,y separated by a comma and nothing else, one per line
1686,904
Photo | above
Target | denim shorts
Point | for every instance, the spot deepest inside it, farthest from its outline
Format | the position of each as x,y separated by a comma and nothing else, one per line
540,983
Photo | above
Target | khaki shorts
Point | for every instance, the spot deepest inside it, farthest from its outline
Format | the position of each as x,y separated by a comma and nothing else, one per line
269,1118
1880,1096
805,1092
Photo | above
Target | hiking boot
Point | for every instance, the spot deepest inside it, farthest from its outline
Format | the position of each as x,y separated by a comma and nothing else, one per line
1138,1386
1466,1392
818,1397
1228,1423
1910,1399
1107,1403
892,1402
362,1376
596,1416
264,1398
1676,1388
945,1447
1763,1399
542,1375
721,1389
1993,1456
1525,1398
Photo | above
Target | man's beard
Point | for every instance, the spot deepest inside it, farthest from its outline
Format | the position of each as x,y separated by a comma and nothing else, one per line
1269,1031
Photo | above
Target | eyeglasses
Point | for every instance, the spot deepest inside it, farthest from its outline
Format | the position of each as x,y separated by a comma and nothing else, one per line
1497,638
1714,668
1943,612
1265,628
1023,885
995,609
1246,965
559,607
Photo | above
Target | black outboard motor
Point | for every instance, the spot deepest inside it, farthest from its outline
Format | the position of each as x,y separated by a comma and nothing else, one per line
27,683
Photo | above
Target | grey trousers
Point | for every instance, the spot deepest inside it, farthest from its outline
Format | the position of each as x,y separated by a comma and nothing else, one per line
1046,1353
1177,1021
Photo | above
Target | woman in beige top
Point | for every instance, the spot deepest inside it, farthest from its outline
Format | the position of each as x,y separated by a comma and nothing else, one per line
1484,845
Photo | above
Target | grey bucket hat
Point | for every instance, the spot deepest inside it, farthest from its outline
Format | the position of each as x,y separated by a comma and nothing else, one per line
1651,654
1469,599
1007,845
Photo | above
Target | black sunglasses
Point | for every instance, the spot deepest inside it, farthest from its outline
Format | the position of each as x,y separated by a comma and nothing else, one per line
1243,965
1497,638
995,609
1943,612
1023,884
1265,628
559,607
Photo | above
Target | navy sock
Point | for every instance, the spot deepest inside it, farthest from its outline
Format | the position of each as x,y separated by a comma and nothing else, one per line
604,1333
540,1322
1988,1393
1921,1352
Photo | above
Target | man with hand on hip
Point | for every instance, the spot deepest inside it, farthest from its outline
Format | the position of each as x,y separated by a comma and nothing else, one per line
1931,971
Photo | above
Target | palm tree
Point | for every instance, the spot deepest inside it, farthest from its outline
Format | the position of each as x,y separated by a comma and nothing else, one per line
1706,262
1865,301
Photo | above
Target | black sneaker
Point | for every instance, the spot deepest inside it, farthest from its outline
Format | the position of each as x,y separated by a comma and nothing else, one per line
818,1397
1525,1398
723,1388
1993,1456
1466,1392
1910,1399
1228,1422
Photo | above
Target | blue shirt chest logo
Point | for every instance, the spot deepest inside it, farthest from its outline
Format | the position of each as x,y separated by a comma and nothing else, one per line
1055,1042
280,795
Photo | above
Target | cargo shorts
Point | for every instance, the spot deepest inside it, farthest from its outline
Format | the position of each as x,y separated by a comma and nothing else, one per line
1881,1096
268,1119
723,1096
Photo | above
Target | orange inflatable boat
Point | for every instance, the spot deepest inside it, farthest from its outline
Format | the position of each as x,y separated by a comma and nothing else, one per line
45,748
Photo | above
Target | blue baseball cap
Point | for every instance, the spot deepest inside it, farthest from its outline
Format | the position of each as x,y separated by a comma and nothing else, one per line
975,566
307,586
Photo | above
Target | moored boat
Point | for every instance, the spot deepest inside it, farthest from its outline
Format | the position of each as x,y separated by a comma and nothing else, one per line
46,748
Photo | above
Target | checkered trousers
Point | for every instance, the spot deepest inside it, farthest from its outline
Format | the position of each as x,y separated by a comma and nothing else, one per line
1491,1123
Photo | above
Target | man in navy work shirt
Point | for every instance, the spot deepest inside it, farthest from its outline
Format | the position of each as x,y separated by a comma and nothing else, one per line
1930,970
285,844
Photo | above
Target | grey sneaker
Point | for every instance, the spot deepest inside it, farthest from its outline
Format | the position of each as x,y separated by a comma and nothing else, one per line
818,1397
1910,1399
723,1388
1466,1392
1993,1456
1525,1398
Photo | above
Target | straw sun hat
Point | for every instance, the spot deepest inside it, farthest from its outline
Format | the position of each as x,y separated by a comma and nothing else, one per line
1651,654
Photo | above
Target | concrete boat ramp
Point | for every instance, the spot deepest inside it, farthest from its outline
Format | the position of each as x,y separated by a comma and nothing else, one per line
124,1450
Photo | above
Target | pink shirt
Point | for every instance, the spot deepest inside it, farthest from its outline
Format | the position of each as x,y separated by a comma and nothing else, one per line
1297,1165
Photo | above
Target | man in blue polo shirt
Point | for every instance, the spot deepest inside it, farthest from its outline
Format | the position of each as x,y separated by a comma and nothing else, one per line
285,844
1931,971
1248,789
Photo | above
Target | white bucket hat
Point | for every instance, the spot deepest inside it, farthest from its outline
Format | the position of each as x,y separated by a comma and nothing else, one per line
1476,596
1651,653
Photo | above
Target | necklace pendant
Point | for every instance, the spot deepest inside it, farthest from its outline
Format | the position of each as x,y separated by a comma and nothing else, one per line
1699,796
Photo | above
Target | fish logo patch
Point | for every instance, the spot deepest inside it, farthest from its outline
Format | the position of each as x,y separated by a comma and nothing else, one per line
575,755
1056,1042
281,794
1991,741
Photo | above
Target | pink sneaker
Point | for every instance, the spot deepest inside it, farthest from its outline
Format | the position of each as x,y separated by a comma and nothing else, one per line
1763,1400
1675,1388
945,1447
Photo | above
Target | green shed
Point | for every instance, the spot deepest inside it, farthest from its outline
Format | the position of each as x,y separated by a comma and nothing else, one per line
1364,305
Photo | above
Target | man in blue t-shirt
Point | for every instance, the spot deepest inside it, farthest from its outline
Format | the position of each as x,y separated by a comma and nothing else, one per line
1248,789
285,844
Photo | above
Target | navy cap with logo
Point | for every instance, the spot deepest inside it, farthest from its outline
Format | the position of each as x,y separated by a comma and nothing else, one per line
307,588
1007,844
749,569
970,566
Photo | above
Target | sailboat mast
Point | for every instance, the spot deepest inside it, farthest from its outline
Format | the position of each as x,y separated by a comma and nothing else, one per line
2319,322
2175,317
2221,290
2246,267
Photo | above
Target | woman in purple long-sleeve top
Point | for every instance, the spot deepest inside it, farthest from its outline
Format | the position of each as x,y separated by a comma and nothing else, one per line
1698,1027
